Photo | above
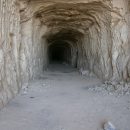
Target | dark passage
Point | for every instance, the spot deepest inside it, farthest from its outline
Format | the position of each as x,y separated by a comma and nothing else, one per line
59,52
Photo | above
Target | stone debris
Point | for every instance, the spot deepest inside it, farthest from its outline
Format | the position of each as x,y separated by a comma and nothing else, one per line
109,126
84,72
110,88
25,88
43,85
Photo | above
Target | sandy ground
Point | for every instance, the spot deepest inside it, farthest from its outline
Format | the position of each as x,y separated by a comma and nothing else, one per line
60,100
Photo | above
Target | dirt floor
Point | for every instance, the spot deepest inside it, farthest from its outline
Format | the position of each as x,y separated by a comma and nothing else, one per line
61,100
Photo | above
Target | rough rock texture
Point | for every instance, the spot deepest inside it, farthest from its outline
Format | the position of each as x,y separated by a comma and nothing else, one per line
32,51
93,34
96,31
9,50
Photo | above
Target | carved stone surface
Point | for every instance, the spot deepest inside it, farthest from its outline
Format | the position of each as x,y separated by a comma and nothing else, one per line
96,31
9,50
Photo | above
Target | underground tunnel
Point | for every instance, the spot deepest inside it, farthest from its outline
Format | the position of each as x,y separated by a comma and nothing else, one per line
88,35
63,48
69,63
59,52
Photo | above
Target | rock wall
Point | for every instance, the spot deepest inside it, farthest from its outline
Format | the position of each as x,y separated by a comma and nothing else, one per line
120,39
33,49
98,46
9,50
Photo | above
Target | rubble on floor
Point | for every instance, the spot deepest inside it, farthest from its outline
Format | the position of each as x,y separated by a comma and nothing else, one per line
111,88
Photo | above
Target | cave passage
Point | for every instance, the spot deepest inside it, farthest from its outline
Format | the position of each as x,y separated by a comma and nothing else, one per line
59,52
65,47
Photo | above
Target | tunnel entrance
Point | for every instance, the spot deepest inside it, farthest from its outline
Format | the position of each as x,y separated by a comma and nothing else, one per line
59,52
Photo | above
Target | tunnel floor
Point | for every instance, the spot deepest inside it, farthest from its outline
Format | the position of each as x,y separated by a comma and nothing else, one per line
60,100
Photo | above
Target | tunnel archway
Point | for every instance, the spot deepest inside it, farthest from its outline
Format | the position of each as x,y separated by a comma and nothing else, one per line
63,46
59,52
85,26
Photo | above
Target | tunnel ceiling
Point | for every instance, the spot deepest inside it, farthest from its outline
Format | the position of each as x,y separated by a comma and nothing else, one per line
65,35
67,20
61,14
71,15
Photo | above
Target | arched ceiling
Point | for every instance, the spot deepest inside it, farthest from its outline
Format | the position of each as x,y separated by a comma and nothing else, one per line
80,15
64,35
67,19
66,13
